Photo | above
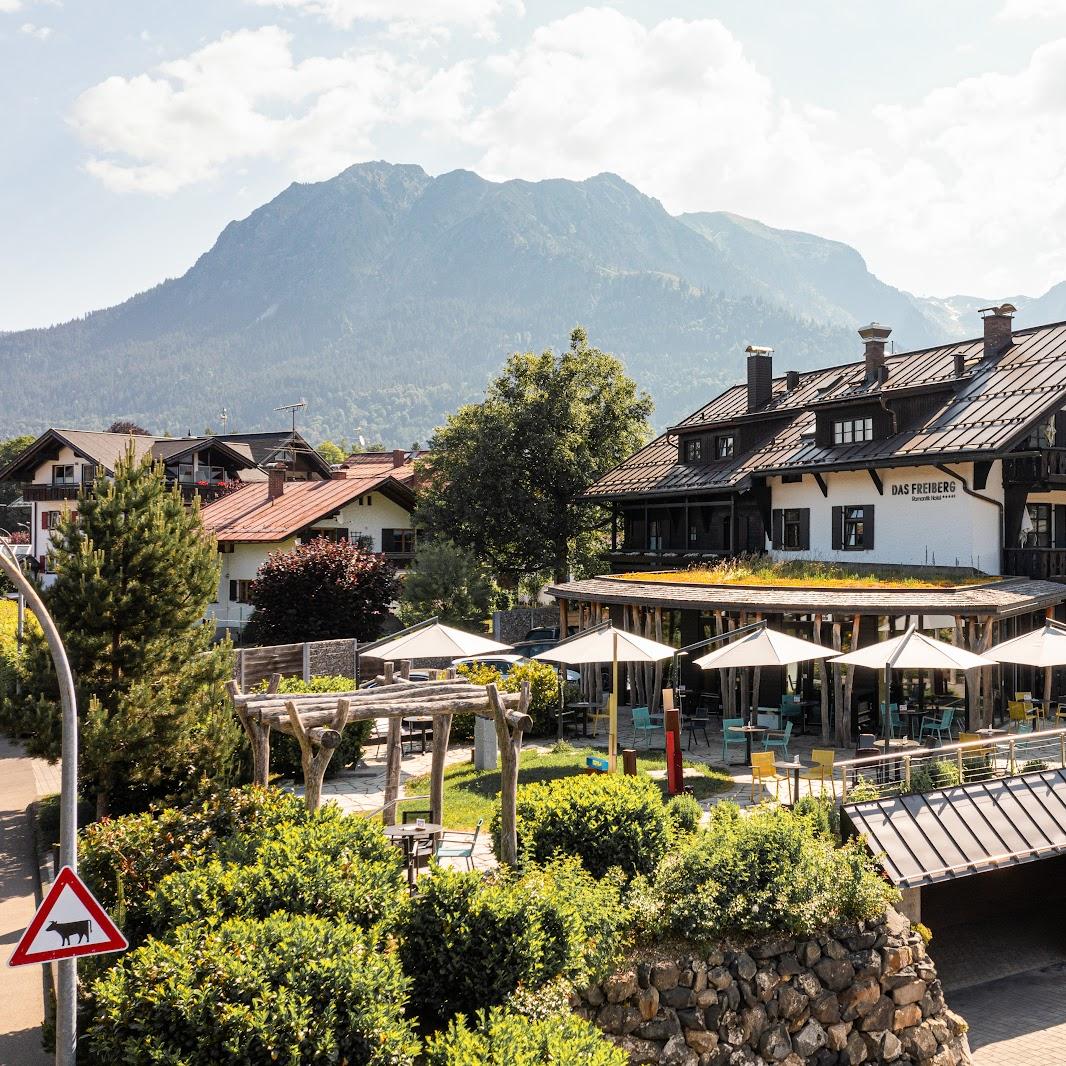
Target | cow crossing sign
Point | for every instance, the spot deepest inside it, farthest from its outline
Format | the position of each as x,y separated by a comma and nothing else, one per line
68,924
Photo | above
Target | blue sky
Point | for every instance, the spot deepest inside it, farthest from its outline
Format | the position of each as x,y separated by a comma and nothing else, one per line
932,136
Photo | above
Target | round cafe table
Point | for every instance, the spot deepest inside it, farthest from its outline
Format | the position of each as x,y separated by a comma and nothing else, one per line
409,834
795,766
750,732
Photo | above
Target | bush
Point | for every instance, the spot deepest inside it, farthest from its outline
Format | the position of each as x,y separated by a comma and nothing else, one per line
543,692
605,820
470,943
333,866
500,1037
931,775
770,872
285,750
297,991
684,813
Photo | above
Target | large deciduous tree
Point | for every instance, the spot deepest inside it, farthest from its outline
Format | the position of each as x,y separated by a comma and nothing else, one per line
503,476
135,574
448,582
322,590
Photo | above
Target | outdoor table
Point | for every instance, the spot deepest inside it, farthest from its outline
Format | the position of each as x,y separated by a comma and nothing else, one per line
913,717
805,706
422,724
583,707
795,766
988,732
893,771
409,834
749,732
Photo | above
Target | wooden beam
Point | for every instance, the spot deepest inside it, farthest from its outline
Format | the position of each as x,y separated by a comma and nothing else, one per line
820,482
477,703
392,772
876,479
315,758
509,740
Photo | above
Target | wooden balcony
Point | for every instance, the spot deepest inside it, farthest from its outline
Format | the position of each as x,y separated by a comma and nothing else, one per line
37,493
1048,564
1046,466
208,491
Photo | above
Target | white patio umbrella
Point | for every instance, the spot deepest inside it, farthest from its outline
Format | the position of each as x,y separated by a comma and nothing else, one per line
605,644
1044,648
434,641
912,650
763,647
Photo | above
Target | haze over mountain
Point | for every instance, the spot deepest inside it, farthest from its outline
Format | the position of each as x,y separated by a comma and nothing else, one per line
385,298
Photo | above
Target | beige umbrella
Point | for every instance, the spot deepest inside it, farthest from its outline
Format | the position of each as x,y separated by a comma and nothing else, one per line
1044,648
605,644
432,640
764,647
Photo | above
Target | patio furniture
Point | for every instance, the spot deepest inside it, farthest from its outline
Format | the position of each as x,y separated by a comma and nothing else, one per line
1060,714
730,737
937,727
409,836
600,713
697,722
764,773
897,727
778,738
1020,715
795,767
459,845
421,849
750,733
978,764
822,770
413,729
642,723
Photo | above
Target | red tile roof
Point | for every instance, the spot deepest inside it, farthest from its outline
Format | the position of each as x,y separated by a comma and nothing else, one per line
250,515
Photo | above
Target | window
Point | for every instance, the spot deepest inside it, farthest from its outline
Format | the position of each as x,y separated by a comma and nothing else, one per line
853,430
398,541
1040,517
368,499
63,475
225,547
791,529
723,447
790,539
853,528
655,534
240,591
188,474
693,450
50,519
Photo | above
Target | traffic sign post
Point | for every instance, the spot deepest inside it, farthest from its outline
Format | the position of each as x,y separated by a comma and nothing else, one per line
69,923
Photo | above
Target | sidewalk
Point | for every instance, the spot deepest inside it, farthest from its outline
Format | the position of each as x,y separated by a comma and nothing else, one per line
21,989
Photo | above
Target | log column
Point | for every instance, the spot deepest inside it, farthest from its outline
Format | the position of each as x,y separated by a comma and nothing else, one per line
258,732
316,749
509,729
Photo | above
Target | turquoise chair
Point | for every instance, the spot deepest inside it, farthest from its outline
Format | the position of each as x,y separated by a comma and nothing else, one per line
642,723
455,845
896,726
779,740
790,709
730,737
938,727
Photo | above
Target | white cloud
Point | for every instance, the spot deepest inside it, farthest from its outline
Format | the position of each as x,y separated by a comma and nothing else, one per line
408,16
41,33
1028,9
7,6
244,97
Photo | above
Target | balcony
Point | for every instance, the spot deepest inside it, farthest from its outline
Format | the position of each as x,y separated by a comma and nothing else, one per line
208,491
38,493
1047,564
400,559
1034,468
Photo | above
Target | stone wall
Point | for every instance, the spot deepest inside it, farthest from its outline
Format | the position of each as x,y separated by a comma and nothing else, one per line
865,993
508,627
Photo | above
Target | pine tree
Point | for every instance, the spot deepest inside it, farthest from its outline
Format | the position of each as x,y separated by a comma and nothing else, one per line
135,572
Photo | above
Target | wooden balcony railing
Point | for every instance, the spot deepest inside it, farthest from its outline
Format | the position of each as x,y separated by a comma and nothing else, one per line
1048,564
45,493
1032,468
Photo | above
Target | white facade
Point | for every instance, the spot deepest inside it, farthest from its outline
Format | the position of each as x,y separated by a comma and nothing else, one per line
367,517
44,513
923,518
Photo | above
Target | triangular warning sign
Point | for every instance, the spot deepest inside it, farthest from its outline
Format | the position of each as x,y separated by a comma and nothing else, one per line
69,923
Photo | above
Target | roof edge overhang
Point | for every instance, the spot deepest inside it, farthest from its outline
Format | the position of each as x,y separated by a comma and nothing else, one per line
35,451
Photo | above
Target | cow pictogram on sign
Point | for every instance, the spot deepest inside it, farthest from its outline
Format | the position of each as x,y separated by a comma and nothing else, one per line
68,924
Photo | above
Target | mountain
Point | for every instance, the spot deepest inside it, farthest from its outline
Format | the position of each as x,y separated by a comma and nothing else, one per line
386,298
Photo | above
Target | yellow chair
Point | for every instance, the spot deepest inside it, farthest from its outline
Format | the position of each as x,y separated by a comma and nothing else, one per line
1060,714
822,770
1023,695
977,763
1021,717
601,714
763,772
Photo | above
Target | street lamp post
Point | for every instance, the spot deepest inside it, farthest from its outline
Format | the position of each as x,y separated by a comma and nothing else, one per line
67,982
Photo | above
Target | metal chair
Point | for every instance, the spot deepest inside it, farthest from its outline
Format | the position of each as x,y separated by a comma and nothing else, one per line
821,771
896,726
731,738
459,845
694,722
778,738
764,772
600,714
1021,716
642,723
937,727
420,851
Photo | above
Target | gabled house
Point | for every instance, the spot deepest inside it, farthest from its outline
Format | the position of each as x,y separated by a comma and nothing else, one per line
370,502
55,467
948,456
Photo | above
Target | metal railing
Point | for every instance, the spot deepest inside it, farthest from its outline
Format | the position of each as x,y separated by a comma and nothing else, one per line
918,770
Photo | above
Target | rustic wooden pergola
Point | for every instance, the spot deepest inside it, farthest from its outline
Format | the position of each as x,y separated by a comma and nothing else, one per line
318,720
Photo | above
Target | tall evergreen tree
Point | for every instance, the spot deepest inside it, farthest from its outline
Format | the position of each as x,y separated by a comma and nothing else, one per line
135,573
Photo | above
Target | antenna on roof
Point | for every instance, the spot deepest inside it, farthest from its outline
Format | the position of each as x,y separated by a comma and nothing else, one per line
223,417
293,407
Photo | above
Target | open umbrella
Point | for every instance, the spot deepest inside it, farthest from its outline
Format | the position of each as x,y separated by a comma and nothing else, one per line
605,644
763,647
1043,648
432,640
912,650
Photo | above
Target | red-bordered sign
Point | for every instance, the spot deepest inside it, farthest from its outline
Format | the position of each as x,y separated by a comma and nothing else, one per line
69,923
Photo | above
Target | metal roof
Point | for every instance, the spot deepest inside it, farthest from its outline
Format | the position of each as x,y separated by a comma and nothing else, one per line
249,514
984,412
970,829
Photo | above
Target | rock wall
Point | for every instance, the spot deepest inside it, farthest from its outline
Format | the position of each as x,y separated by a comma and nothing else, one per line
858,994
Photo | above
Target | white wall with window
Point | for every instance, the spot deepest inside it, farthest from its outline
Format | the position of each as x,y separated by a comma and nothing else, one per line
923,518
373,516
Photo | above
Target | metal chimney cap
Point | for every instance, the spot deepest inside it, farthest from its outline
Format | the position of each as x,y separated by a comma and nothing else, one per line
875,332
758,349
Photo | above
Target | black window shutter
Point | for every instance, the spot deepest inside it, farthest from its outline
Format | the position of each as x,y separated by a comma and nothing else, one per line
868,527
233,591
1059,525
838,528
388,540
805,528
777,522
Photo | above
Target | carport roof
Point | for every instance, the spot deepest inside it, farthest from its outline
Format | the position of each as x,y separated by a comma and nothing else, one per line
970,829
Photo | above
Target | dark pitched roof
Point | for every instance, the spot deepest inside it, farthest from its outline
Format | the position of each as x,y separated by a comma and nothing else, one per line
103,449
985,412
263,447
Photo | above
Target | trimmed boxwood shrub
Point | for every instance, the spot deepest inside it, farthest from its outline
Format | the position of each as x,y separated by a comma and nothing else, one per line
770,872
606,820
514,1040
287,991
469,942
684,812
335,866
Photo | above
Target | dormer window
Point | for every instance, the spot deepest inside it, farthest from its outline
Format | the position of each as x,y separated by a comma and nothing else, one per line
693,450
853,430
723,446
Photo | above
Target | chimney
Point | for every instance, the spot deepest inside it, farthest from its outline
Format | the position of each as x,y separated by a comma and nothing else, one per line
959,364
792,380
760,375
275,480
399,457
874,336
998,329
338,473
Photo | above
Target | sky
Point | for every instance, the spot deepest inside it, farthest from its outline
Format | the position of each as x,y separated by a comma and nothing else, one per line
930,136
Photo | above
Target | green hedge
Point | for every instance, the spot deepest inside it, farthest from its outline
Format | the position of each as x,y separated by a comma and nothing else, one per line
513,1040
543,694
766,873
469,942
606,820
684,813
334,866
287,991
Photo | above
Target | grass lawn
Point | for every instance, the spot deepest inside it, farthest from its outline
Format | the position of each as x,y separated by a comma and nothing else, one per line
470,794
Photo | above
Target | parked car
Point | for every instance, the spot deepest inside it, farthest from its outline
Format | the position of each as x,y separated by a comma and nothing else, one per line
502,661
416,675
548,633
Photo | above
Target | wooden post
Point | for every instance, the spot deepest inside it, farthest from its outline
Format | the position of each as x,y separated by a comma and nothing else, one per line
258,733
393,754
315,757
849,673
843,713
510,744
306,666
442,728
823,682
